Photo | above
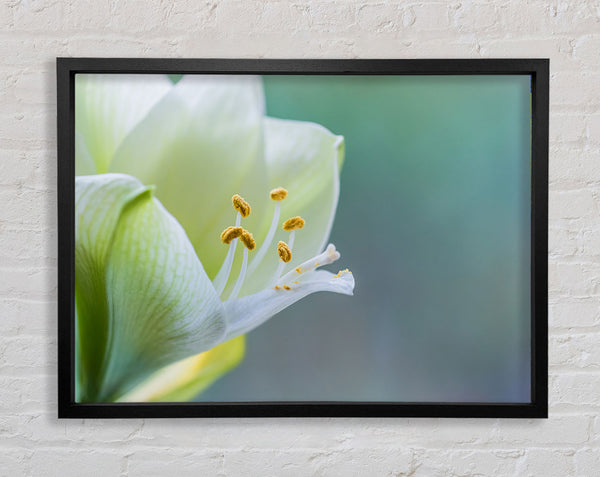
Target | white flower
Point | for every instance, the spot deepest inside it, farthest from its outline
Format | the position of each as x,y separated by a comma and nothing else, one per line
157,167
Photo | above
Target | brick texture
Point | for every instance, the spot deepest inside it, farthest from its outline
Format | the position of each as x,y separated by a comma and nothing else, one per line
33,442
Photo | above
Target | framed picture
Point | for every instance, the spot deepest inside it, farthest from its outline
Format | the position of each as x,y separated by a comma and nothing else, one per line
335,238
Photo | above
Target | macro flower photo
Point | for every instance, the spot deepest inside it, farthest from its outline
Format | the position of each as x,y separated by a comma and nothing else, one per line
198,219
302,238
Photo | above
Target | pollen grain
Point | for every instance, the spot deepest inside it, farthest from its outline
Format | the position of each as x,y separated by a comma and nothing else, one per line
339,274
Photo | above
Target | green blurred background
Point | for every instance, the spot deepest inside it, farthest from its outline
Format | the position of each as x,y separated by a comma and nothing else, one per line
433,220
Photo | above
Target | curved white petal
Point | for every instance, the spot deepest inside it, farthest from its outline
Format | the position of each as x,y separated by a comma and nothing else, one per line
199,146
305,159
107,107
245,314
143,298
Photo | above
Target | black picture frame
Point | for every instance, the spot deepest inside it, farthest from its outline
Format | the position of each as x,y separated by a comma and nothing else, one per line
538,69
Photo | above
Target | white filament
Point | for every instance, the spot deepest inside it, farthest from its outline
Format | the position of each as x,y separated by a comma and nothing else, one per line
268,240
223,276
242,275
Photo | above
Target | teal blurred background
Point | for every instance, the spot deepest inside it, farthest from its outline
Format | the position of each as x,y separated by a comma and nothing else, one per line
434,222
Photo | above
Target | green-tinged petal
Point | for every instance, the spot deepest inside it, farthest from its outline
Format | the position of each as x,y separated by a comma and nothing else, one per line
99,201
304,158
84,163
143,299
200,145
107,107
185,379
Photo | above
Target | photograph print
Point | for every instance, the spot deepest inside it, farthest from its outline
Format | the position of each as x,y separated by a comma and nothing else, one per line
302,238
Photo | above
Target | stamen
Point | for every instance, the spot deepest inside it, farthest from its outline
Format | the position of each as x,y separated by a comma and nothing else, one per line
247,239
231,233
241,205
278,194
330,255
223,275
284,252
293,224
286,287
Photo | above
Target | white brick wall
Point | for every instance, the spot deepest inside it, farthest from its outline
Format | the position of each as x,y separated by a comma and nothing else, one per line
34,442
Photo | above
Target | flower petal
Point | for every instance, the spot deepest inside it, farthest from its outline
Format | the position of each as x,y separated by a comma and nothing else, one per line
185,379
199,146
84,163
143,299
107,107
304,158
245,314
95,222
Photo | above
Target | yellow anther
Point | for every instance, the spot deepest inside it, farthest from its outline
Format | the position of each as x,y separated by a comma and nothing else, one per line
241,205
247,239
293,224
299,269
277,287
231,233
286,287
284,252
279,193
